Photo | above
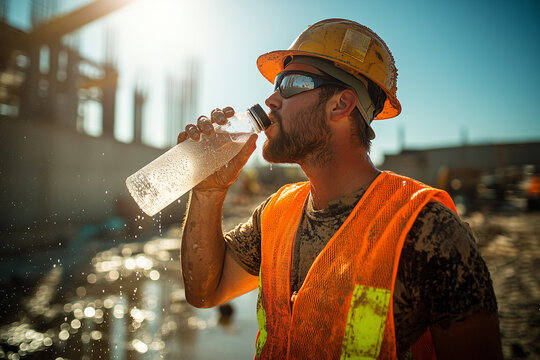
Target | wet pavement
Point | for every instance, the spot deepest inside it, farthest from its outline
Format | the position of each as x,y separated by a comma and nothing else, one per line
128,304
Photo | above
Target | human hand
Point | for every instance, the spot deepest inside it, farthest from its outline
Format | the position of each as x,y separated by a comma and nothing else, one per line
222,179
204,124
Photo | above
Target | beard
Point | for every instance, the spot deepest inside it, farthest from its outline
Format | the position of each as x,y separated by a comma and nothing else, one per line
307,140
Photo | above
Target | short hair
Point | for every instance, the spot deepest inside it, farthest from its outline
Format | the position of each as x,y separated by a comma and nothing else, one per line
377,95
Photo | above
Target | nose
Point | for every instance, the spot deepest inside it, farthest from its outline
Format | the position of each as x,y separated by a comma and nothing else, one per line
274,100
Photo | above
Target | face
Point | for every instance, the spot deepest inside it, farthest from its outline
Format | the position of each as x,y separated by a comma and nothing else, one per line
299,132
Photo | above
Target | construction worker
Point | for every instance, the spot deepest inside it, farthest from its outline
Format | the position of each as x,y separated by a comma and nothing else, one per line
356,262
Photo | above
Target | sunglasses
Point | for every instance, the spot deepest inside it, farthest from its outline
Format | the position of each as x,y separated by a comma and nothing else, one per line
290,83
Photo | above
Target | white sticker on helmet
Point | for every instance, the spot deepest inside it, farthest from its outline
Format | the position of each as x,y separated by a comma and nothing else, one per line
355,44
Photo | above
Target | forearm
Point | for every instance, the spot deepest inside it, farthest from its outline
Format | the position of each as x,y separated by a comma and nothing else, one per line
203,248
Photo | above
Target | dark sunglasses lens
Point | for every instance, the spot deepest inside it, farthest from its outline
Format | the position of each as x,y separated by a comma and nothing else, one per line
293,84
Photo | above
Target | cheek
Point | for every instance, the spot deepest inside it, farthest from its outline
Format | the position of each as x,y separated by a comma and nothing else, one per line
289,117
296,110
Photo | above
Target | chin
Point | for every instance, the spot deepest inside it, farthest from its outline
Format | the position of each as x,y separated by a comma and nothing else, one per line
277,157
268,155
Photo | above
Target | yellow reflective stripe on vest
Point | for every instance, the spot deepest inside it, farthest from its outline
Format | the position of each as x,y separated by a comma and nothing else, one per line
261,319
365,323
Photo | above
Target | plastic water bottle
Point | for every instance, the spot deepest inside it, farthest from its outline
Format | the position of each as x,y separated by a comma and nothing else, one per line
185,165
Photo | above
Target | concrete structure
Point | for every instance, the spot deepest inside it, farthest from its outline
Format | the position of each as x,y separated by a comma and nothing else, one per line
426,165
53,173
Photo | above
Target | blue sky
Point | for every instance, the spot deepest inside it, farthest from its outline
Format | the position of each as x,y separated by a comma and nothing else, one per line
464,66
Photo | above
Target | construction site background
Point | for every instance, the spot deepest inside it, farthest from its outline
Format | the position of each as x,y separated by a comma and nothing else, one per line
84,274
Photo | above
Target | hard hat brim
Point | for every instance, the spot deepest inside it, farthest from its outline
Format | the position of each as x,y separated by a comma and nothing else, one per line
271,64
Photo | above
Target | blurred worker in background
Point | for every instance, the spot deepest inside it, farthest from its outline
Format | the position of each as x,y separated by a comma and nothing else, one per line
356,262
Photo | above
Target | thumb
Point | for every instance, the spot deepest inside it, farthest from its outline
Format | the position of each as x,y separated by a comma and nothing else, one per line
246,151
230,172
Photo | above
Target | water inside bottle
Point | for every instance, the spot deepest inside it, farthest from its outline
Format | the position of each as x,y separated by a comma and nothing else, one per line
156,186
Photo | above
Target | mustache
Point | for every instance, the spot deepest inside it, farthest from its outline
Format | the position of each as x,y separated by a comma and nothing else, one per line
275,117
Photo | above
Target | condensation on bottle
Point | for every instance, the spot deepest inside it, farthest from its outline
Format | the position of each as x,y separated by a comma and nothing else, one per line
185,165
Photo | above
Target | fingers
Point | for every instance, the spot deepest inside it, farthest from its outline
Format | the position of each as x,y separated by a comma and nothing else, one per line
227,175
204,124
182,136
218,116
228,111
193,132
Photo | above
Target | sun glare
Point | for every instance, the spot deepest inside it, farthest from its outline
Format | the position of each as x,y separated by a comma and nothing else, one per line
159,32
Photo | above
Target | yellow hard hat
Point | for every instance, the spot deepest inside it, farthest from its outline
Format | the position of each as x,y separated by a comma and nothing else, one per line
352,47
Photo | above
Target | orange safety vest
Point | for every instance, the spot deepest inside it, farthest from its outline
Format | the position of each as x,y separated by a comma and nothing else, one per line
344,308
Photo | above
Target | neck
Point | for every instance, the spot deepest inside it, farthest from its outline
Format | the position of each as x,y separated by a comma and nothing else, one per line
348,171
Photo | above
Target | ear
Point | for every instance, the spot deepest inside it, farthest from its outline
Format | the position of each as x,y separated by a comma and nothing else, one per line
342,104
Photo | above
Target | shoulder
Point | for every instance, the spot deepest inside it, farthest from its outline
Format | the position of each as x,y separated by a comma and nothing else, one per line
437,237
441,261
442,278
440,233
290,191
285,197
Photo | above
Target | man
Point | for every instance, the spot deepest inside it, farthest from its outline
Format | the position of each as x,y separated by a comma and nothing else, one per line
355,263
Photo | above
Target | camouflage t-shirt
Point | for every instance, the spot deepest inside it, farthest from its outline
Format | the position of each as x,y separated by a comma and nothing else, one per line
441,276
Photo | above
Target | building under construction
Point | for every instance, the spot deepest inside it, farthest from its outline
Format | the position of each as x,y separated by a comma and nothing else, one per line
61,163
65,203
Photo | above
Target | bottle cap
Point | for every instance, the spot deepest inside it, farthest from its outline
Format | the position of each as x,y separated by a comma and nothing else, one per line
263,121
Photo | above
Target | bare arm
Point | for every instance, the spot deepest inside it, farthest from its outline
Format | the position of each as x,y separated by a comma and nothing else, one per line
476,337
211,276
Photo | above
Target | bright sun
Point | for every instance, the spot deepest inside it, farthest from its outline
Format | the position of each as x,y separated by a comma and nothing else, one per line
159,32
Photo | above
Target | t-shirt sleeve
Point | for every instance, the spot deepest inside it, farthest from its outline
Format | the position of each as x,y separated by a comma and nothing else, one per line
442,277
244,241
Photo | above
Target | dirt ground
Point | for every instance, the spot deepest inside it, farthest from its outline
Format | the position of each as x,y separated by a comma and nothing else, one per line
510,246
